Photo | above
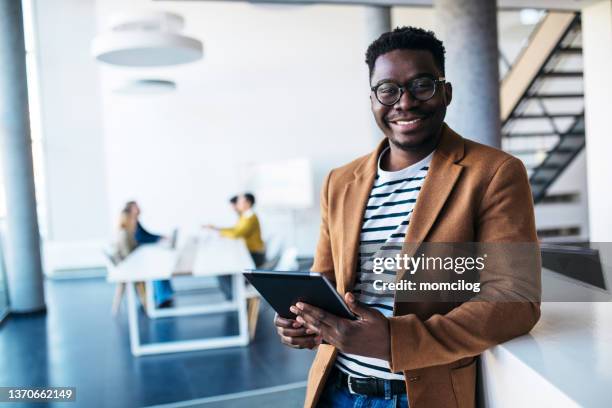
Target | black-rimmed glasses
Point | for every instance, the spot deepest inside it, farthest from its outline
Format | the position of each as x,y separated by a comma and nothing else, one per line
422,89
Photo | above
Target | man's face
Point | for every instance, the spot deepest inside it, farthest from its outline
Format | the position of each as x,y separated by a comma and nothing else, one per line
410,123
242,204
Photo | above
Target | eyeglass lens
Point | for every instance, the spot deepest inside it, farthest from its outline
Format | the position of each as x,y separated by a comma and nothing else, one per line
422,89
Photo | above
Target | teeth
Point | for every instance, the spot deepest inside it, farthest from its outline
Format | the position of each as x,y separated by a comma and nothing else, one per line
407,122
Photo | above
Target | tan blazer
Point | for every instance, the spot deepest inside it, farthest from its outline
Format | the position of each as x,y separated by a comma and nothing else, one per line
472,193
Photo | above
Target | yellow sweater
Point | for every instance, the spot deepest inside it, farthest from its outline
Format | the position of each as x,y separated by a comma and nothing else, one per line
248,229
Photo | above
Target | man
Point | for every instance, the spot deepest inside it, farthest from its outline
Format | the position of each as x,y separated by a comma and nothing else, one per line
424,183
162,289
248,229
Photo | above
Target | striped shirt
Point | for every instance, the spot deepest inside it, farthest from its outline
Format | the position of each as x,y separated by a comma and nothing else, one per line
385,222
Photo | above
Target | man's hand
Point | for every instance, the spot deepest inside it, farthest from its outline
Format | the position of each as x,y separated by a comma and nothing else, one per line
368,336
294,334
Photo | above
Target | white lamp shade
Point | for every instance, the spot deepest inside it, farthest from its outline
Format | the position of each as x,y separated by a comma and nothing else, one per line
146,87
151,20
146,48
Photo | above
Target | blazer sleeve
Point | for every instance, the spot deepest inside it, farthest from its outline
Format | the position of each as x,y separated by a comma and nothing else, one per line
505,215
323,261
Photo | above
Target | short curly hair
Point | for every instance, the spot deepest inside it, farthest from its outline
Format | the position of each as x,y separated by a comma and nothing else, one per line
406,38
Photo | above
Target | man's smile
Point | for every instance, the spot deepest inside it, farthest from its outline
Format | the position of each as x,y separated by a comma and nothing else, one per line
406,124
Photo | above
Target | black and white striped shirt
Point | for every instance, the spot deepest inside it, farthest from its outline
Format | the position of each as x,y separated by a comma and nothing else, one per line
385,222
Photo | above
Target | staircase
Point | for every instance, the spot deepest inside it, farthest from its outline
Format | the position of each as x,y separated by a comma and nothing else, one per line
542,103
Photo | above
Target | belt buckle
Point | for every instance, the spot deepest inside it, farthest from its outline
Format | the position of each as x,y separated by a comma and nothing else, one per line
348,383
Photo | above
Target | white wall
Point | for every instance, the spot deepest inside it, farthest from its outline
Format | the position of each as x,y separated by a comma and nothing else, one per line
71,117
597,54
275,82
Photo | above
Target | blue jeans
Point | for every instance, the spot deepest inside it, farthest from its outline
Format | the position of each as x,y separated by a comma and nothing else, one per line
162,291
338,396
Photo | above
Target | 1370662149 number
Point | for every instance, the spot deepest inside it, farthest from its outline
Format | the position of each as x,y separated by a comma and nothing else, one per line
37,394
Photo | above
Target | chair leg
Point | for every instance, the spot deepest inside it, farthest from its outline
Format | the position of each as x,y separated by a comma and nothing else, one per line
119,290
253,314
142,293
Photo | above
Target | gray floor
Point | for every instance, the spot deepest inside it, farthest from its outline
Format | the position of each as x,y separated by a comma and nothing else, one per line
78,343
286,396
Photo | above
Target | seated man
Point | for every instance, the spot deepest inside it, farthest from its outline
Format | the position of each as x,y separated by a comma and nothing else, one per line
162,289
248,229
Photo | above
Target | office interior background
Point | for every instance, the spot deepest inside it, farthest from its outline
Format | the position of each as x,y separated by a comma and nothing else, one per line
279,96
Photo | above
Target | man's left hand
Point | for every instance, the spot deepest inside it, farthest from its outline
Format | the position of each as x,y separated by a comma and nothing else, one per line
367,336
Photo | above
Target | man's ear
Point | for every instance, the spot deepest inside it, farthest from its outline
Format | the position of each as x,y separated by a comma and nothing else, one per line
448,93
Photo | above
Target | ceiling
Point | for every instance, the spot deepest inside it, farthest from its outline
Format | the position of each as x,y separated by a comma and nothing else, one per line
503,4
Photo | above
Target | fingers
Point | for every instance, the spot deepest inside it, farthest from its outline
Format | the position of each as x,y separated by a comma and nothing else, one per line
284,322
294,334
302,331
300,342
315,316
354,305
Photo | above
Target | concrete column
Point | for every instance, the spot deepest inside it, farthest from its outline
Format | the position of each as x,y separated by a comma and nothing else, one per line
597,63
469,30
21,242
377,22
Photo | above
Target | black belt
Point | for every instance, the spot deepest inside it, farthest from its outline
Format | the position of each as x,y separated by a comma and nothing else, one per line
370,386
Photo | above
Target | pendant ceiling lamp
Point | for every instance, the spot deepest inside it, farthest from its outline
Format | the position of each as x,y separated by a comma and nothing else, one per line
146,87
146,39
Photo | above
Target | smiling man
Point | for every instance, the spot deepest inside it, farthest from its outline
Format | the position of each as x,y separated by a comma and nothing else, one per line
423,183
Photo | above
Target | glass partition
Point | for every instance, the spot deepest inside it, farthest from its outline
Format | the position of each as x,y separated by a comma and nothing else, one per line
3,288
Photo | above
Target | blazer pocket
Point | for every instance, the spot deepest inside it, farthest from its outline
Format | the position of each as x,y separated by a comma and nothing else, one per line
464,385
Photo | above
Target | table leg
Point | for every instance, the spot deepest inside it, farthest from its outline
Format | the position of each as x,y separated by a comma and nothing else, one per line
241,307
133,318
150,306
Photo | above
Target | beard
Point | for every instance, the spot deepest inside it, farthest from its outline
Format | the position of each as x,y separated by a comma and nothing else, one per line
424,138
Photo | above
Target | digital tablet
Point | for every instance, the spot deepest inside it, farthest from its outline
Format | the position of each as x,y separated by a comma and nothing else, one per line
284,289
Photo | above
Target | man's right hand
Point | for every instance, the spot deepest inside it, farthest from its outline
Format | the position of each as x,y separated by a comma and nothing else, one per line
294,334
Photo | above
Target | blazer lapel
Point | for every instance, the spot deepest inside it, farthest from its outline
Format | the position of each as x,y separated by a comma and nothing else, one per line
441,178
354,201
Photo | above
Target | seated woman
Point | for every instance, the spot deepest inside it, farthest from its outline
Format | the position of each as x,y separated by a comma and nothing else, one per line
162,289
126,242
124,245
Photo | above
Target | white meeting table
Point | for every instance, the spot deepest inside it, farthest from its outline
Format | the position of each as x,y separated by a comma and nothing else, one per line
207,255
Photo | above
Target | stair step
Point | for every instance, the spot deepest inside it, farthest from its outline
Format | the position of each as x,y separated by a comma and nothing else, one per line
539,180
562,74
521,152
551,166
562,150
536,134
556,96
543,116
529,134
570,50
573,134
